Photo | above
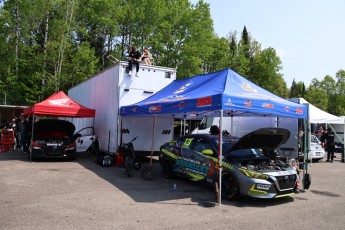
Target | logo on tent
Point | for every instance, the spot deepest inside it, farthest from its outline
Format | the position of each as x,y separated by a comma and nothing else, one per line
204,101
267,105
248,103
228,102
180,105
247,87
299,111
155,108
60,102
183,87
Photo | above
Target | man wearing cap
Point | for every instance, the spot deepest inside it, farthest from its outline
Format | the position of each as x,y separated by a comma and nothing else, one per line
327,141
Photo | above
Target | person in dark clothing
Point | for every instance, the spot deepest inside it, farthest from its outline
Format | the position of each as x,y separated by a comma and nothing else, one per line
214,130
20,131
133,58
327,141
27,134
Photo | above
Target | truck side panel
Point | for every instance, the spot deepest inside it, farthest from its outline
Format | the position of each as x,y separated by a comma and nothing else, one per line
112,88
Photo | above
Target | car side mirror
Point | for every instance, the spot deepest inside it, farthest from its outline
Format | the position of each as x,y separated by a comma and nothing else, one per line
207,152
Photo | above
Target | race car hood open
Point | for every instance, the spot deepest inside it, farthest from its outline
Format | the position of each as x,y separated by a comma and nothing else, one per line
48,125
264,138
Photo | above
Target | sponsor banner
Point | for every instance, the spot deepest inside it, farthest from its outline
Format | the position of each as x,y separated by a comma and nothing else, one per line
267,105
248,103
204,101
155,108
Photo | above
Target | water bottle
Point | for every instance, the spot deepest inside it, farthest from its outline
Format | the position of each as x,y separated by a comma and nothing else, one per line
174,188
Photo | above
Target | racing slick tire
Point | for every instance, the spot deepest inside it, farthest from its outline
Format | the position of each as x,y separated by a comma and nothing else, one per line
230,187
167,169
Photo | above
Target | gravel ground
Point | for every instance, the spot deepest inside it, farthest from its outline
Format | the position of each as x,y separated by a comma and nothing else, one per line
82,195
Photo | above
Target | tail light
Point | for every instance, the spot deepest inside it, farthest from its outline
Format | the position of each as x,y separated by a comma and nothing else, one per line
71,146
36,145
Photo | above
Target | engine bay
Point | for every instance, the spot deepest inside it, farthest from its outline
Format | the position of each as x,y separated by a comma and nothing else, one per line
265,165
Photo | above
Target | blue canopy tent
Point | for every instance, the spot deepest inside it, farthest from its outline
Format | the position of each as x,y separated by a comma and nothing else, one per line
222,93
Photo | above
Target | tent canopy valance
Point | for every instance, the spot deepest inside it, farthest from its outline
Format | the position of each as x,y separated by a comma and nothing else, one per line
317,115
59,105
206,95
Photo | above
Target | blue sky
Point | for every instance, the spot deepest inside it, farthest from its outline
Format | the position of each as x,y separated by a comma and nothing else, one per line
308,35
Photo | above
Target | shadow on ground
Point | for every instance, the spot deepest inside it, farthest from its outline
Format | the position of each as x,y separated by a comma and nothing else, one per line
157,190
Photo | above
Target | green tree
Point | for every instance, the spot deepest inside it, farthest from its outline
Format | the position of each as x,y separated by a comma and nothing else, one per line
297,89
340,84
317,97
328,85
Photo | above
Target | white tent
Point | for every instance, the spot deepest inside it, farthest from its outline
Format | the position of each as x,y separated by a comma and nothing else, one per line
317,115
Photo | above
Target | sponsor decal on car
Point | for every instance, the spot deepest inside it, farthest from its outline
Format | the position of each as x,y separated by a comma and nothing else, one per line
193,166
263,186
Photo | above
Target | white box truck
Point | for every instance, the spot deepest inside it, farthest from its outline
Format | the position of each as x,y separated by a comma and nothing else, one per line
112,88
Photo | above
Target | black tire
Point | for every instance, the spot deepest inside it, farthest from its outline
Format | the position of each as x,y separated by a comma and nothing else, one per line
230,188
95,149
73,157
167,169
129,165
147,173
137,164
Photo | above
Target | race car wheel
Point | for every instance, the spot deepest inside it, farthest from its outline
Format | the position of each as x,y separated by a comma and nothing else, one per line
230,187
167,169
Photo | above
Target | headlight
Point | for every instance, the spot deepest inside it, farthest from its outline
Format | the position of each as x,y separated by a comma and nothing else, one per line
253,174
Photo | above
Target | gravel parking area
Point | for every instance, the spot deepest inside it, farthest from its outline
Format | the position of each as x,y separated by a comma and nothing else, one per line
82,195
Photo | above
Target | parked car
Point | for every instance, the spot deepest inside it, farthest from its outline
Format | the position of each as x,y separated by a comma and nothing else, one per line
316,151
339,147
247,167
53,138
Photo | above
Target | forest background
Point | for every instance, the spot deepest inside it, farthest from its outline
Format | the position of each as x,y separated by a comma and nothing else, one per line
51,45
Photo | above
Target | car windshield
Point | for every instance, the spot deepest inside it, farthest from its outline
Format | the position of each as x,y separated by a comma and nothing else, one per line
242,153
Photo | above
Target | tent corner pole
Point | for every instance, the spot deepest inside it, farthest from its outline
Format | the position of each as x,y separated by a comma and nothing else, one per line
220,157
343,149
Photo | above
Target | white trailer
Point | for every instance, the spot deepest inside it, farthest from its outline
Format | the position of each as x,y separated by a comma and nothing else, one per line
112,88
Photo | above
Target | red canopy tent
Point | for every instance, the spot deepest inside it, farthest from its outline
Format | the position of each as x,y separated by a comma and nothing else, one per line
59,105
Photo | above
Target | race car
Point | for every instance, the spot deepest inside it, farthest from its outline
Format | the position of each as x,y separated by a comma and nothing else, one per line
247,168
